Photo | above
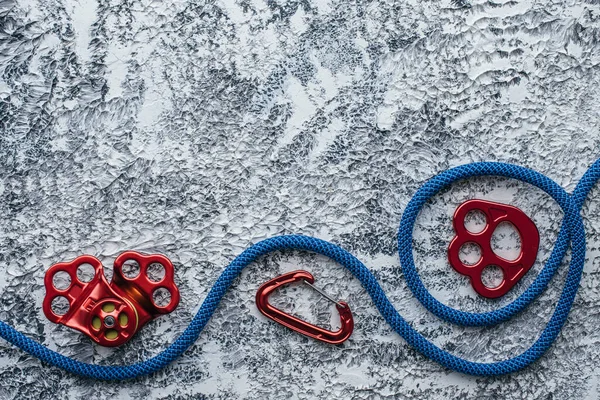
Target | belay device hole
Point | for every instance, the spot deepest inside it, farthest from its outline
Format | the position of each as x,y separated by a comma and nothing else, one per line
60,305
469,253
131,269
492,276
85,273
506,241
156,272
61,280
161,297
475,221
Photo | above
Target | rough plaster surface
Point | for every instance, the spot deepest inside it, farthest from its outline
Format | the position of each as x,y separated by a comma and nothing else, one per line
195,128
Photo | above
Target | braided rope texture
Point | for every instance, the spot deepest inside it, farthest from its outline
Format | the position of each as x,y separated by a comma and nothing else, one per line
571,234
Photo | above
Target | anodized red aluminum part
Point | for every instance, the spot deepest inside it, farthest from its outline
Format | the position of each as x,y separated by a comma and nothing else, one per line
303,327
140,289
513,270
110,314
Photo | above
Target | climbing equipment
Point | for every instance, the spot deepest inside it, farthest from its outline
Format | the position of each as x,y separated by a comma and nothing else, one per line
495,214
571,231
296,324
110,314
313,331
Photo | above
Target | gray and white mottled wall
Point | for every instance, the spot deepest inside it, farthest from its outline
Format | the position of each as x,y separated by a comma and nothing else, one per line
195,128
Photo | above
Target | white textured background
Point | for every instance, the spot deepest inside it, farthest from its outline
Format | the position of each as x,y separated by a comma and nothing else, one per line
195,128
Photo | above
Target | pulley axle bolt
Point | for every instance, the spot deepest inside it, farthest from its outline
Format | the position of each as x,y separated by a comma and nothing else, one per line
109,321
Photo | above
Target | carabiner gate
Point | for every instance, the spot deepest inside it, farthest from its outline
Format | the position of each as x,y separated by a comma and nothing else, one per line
303,327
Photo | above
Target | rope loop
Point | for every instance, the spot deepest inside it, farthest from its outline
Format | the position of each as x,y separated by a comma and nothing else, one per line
571,233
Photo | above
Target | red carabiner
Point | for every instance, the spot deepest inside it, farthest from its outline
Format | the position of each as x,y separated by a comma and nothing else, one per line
313,331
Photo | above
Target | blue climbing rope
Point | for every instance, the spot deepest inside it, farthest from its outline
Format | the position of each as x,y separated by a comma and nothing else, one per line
571,233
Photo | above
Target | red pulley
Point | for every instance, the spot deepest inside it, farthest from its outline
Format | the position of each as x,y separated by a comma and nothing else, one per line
110,313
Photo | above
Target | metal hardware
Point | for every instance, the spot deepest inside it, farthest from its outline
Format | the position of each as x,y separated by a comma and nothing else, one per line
512,270
110,313
296,324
